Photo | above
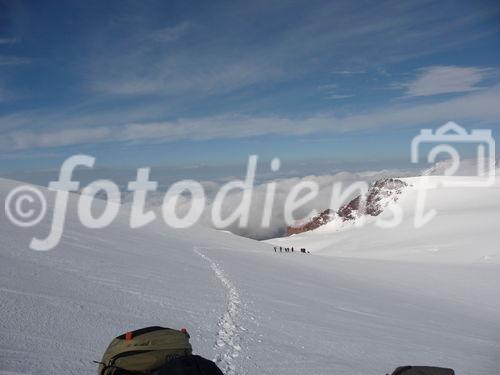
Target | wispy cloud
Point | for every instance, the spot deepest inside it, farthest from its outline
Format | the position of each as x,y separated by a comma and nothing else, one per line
233,55
331,92
9,40
13,60
173,69
437,80
348,72
171,34
174,79
478,106
328,86
339,96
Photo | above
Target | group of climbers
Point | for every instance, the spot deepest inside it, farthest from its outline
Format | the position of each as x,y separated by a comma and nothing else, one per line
282,249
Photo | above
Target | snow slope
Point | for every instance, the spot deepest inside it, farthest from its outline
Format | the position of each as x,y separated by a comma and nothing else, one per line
254,311
464,230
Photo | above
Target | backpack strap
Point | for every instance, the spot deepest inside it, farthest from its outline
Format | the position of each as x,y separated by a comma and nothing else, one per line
112,367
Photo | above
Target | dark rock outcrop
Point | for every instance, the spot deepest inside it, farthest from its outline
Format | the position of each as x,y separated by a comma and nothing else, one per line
317,221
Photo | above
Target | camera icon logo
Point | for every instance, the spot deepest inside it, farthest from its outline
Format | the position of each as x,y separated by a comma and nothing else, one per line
452,133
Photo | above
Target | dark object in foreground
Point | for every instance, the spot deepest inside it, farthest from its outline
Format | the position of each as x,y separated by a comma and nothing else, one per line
423,370
190,365
165,351
154,351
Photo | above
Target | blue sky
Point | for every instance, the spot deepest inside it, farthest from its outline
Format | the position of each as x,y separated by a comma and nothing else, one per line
174,82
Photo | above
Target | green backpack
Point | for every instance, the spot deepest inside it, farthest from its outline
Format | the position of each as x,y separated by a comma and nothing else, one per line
143,351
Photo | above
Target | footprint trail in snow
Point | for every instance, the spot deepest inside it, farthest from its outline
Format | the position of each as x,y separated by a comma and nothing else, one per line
227,344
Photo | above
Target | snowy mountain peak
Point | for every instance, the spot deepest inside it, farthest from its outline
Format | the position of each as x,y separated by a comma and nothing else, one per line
380,194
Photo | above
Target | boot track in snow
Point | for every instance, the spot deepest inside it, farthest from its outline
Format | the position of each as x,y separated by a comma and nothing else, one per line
227,341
